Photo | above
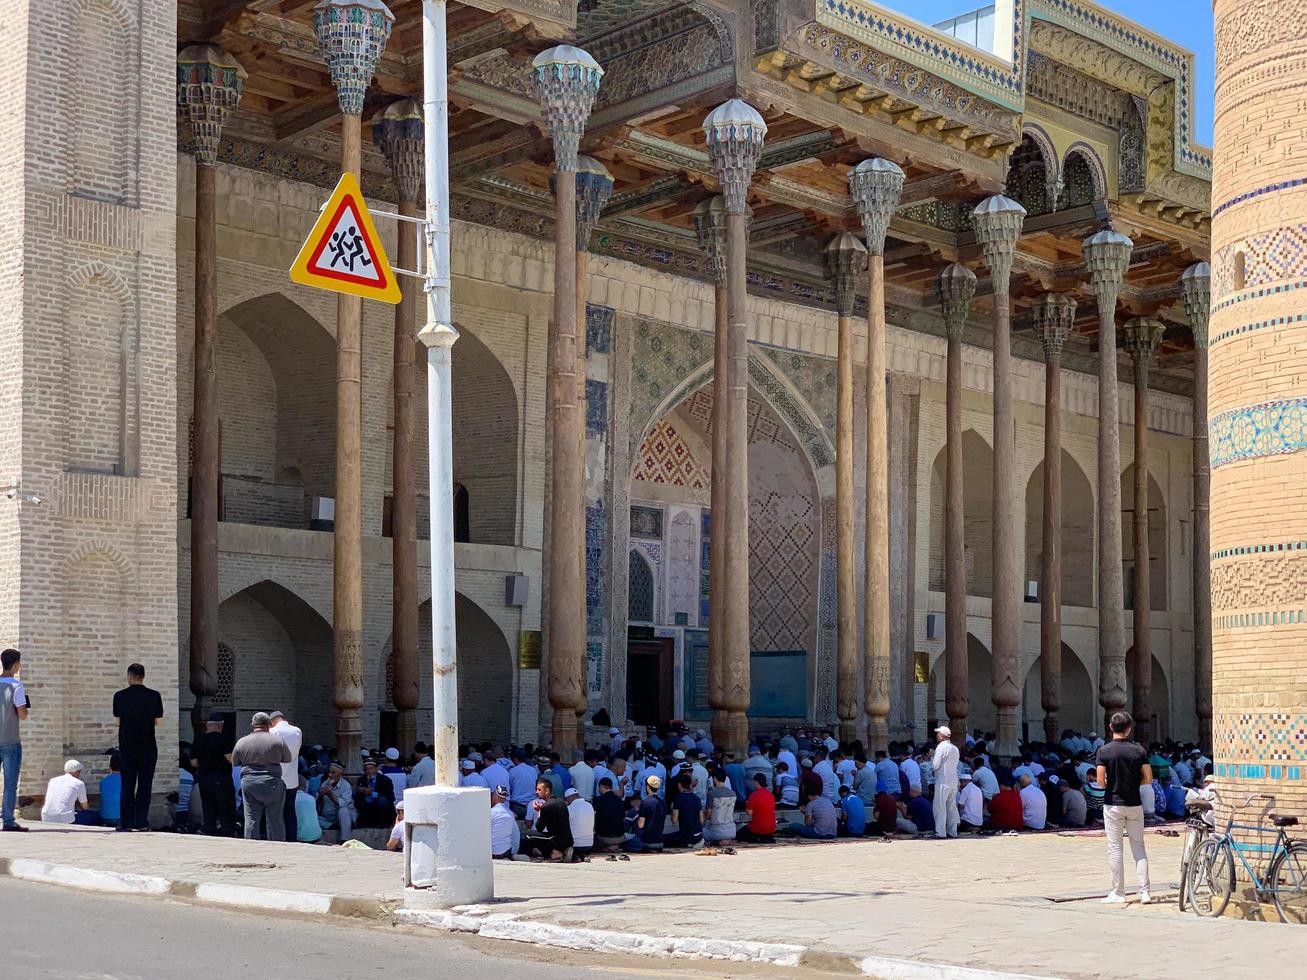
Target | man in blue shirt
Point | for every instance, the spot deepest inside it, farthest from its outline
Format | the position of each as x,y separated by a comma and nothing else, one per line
853,814
521,783
921,812
887,773
647,834
111,793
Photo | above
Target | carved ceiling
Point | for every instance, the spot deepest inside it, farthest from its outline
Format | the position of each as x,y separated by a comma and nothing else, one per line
829,101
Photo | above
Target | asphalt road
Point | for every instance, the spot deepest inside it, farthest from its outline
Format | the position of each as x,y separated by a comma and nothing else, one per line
60,934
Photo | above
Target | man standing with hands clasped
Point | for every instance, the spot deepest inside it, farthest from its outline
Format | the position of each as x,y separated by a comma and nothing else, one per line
1122,768
945,765
139,710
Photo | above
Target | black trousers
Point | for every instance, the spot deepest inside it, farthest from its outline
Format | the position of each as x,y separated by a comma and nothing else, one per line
288,816
138,782
218,795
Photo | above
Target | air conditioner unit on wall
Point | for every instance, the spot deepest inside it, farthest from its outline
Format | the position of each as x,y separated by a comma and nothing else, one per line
322,515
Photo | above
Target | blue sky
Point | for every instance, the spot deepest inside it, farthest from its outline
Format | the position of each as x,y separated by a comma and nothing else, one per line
1187,22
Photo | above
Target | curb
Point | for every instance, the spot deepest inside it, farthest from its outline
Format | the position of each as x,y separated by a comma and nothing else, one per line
210,893
479,921
483,921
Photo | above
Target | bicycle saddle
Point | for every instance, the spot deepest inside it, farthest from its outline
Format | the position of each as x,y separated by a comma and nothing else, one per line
1284,821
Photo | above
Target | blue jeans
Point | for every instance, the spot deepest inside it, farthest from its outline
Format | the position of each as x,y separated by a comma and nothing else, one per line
807,830
11,760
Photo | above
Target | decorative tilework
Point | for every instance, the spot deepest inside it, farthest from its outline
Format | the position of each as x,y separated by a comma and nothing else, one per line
813,439
596,527
782,570
705,556
598,329
1262,738
1271,580
815,377
1282,185
662,358
1259,549
665,457
1270,429
596,407
640,589
594,670
1279,321
1250,294
1273,256
1243,621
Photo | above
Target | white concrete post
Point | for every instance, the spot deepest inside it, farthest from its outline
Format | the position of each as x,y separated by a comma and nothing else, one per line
447,829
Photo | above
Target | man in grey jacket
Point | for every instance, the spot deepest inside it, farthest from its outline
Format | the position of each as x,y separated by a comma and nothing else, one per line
260,755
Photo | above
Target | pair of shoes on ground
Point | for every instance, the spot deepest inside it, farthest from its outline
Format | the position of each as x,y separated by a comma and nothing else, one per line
15,828
1113,898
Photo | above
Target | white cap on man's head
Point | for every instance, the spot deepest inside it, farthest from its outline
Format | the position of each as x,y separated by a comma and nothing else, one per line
72,766
392,754
468,765
614,731
945,731
570,792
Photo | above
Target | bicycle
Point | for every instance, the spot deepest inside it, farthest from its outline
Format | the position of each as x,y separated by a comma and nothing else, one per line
1198,832
1211,869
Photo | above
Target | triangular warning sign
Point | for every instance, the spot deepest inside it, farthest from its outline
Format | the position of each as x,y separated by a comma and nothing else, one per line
343,252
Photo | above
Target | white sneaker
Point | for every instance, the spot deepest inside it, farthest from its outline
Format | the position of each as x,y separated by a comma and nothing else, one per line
1145,898
1112,898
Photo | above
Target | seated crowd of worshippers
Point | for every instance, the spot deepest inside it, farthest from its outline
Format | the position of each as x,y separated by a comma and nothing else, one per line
664,792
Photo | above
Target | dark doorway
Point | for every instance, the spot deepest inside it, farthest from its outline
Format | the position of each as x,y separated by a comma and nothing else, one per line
649,696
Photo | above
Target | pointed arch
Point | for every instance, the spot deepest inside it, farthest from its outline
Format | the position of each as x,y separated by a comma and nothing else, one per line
978,514
640,588
1078,528
1084,178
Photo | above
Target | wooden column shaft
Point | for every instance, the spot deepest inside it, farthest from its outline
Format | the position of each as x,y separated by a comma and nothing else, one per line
957,681
205,452
848,663
567,537
405,641
1111,615
582,297
1143,658
718,585
1005,682
876,651
1050,566
347,581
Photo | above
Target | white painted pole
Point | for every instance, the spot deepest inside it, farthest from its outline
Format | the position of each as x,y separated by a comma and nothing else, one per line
439,336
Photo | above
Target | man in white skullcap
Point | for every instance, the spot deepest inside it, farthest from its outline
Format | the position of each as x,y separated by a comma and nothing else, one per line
945,765
65,795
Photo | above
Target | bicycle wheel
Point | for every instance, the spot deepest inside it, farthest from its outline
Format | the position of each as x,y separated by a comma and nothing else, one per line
1287,882
1211,878
1186,858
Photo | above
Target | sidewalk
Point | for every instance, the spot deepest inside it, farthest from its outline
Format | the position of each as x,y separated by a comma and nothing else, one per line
1014,905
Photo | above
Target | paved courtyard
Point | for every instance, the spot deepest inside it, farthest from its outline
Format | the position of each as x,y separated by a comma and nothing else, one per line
996,903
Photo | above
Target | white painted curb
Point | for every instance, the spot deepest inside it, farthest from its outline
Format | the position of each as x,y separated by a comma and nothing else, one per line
88,879
270,899
510,927
890,968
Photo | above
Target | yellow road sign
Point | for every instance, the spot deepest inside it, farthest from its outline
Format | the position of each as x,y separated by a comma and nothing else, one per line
343,252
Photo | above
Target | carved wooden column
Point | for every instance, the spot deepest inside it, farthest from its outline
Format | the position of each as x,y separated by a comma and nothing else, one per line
351,36
997,221
735,133
1107,255
398,133
594,185
209,86
1195,293
1142,337
846,264
710,230
875,185
956,287
566,81
1054,316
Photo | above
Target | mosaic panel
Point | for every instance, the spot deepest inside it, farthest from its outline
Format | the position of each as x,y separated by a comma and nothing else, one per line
222,693
1251,294
596,408
1269,739
665,457
596,527
812,438
598,329
782,570
1277,321
705,556
594,671
762,427
1256,192
1271,429
1272,256
662,358
815,377
682,569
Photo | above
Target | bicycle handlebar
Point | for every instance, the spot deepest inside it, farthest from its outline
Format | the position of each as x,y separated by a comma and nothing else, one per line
1270,800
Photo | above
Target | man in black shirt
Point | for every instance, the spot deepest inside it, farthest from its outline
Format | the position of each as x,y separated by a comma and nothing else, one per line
610,817
138,709
1122,768
211,758
552,837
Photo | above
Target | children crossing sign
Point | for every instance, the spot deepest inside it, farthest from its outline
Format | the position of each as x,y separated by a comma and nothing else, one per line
343,252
